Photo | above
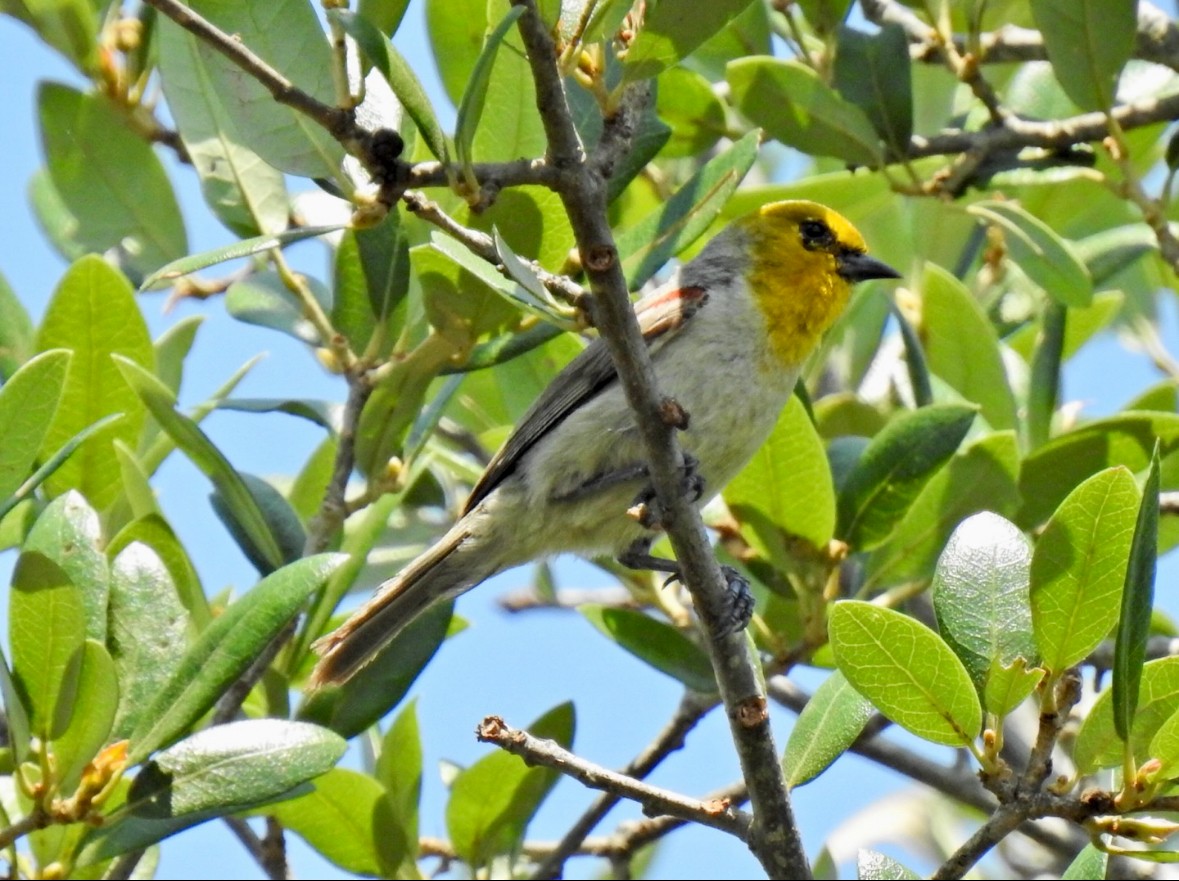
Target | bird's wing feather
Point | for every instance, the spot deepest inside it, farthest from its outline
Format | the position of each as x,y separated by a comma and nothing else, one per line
660,316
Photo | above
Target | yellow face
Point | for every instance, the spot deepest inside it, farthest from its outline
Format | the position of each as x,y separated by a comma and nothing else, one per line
796,249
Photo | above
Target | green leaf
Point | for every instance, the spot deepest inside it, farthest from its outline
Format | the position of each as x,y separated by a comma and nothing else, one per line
246,194
346,818
265,300
962,347
153,531
400,76
894,468
68,533
288,36
16,712
794,106
93,313
906,671
981,477
16,332
47,629
671,32
644,248
225,650
492,801
456,29
148,631
1164,746
239,502
1048,259
109,179
1050,472
1088,43
1079,567
380,685
1137,604
218,771
980,596
1044,383
69,26
874,73
874,866
172,347
786,490
281,522
1098,744
1009,685
372,279
28,402
475,95
1089,863
399,769
686,102
92,714
659,645
827,726
167,274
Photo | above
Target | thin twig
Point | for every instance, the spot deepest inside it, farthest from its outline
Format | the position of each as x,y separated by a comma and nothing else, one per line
775,840
689,712
1003,822
716,813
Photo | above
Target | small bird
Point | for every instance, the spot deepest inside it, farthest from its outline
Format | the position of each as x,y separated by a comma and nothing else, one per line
727,337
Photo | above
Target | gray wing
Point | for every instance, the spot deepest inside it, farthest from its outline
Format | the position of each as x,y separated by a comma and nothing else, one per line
660,316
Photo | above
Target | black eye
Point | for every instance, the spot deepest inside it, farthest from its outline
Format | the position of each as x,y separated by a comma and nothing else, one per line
816,235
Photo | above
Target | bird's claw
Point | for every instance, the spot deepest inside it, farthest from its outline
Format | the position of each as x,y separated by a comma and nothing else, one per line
738,602
646,508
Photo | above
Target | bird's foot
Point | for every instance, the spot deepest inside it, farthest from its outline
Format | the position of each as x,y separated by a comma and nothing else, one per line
648,510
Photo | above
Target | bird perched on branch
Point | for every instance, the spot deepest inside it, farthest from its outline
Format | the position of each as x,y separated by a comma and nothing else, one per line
727,338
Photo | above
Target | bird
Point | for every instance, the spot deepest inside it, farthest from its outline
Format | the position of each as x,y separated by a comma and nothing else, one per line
727,336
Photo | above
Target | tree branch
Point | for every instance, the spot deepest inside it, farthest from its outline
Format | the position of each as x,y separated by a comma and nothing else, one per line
716,813
775,840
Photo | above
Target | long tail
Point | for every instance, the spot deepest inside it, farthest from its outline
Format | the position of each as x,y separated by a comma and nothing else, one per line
450,567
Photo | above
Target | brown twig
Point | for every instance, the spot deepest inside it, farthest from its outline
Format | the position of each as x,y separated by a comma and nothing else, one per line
715,813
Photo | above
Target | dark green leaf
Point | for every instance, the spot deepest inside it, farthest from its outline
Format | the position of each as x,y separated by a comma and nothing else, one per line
148,631
906,671
656,643
980,595
1137,604
28,402
109,179
165,275
1044,384
893,470
873,72
224,650
645,247
830,723
1088,43
492,801
327,414
793,105
1079,567
236,496
16,713
399,768
380,685
281,522
93,312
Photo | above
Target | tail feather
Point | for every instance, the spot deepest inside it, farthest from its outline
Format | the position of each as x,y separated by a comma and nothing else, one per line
447,569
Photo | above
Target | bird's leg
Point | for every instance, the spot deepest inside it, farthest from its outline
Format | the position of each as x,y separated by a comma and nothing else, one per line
738,597
646,508
603,480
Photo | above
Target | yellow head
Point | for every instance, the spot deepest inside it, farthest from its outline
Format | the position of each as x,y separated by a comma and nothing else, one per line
804,260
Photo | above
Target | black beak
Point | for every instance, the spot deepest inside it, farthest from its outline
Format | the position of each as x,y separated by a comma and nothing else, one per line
858,266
